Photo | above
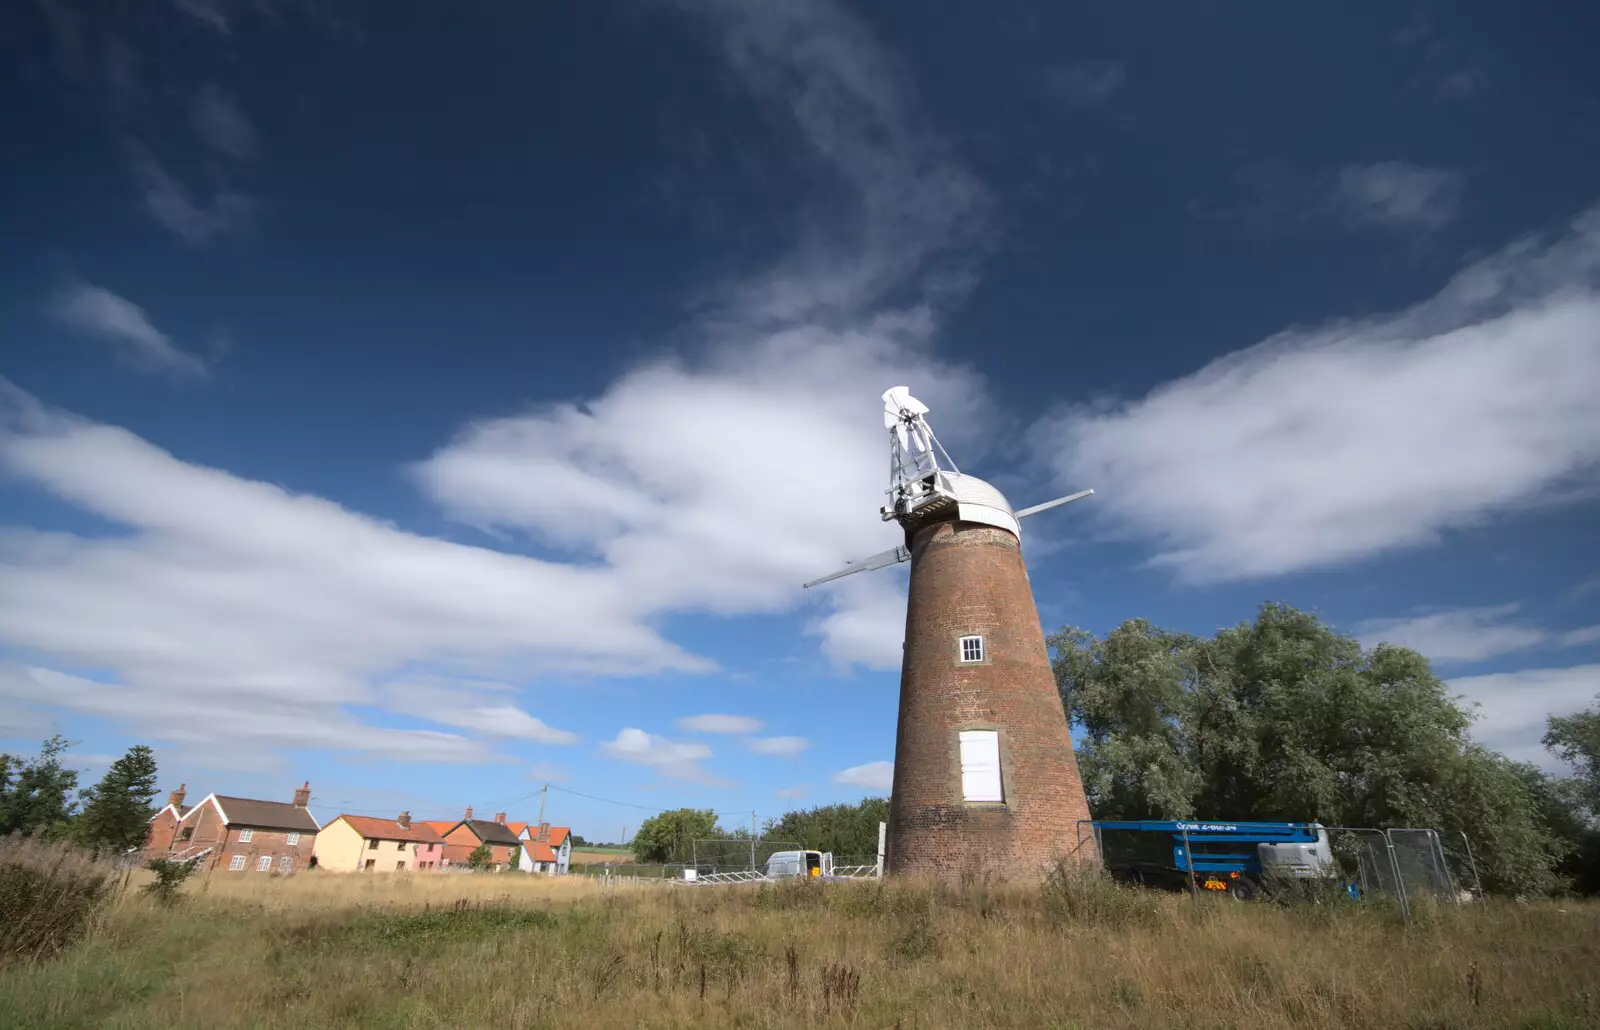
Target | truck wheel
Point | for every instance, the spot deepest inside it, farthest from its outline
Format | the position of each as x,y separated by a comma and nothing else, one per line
1242,889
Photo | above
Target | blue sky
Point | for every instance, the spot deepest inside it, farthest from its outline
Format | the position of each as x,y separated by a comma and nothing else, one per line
435,407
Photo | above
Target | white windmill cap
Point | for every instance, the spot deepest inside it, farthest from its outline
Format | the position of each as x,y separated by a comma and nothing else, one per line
978,501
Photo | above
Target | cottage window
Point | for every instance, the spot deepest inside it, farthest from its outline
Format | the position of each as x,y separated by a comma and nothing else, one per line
236,863
372,845
980,765
188,832
399,867
292,840
264,863
370,863
246,836
286,864
971,650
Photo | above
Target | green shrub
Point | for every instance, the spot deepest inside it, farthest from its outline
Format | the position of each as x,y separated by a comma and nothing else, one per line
50,895
170,876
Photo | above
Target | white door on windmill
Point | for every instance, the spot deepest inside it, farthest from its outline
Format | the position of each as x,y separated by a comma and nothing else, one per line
980,766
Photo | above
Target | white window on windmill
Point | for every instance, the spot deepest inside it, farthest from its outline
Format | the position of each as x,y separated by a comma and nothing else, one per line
980,766
971,650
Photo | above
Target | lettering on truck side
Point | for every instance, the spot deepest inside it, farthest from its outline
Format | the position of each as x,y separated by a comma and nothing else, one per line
1208,826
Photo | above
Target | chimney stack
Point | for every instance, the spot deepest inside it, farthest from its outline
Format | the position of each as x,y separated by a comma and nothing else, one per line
175,799
500,817
404,820
469,813
302,797
544,833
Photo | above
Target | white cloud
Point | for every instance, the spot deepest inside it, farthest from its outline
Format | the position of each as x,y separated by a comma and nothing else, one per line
1325,446
778,747
873,776
1085,83
221,125
1469,634
234,599
234,728
673,760
473,711
1399,194
1515,706
125,325
720,724
173,206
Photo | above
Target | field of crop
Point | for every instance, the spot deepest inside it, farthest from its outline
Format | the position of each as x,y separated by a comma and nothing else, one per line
515,953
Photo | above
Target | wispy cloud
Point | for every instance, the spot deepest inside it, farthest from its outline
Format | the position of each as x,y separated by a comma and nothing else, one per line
1513,707
720,724
1390,196
96,311
1447,73
856,112
1085,83
1399,194
1470,634
212,14
173,205
873,776
1314,448
778,747
222,125
670,759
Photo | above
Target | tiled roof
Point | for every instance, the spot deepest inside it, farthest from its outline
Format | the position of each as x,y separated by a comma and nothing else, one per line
458,854
557,833
372,828
491,832
267,815
540,852
439,826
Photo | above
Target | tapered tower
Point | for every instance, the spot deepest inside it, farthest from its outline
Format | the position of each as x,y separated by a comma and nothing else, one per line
985,780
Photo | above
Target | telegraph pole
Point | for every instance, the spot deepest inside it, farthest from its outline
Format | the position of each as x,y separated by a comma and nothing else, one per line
752,842
543,791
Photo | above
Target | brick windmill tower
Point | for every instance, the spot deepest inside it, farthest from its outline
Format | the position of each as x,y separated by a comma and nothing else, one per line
984,775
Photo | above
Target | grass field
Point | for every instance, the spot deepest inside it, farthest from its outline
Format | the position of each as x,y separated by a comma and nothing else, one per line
513,952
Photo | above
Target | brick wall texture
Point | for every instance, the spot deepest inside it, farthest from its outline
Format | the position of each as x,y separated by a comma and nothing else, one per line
970,579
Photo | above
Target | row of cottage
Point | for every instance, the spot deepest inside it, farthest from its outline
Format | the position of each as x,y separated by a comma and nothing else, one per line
245,835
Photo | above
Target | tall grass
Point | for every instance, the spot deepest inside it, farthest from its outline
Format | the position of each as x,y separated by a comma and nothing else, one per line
530,952
50,896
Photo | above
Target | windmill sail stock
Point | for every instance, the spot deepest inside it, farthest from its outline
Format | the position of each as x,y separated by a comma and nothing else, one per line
916,477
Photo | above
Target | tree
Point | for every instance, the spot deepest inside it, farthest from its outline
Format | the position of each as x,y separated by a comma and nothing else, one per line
37,796
117,810
481,857
670,836
514,857
1283,719
578,841
845,830
1575,739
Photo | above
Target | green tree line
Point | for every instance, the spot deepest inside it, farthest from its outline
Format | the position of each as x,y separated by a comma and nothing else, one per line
1283,719
40,796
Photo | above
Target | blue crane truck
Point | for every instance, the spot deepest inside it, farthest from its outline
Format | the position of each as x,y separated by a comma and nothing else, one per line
1215,856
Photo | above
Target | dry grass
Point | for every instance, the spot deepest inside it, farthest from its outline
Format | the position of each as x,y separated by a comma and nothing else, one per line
513,952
